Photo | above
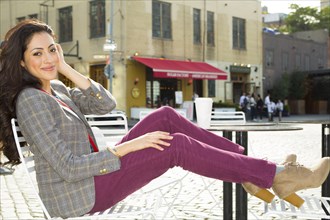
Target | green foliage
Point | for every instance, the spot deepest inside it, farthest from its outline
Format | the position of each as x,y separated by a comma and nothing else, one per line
292,86
324,19
297,88
321,89
281,87
221,104
306,18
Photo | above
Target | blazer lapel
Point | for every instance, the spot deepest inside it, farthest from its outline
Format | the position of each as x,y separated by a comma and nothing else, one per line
74,109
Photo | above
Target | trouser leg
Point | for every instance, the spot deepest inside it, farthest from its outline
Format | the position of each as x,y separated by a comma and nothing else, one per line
139,168
167,119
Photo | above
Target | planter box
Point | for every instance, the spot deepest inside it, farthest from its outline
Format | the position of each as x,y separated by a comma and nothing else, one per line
297,107
320,107
224,109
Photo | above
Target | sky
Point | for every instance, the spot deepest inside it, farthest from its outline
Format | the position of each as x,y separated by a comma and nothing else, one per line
282,6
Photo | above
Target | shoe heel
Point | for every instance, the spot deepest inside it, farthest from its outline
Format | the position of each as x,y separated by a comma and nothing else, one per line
265,195
295,200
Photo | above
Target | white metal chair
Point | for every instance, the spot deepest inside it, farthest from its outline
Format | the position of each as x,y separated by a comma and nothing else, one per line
113,127
311,209
227,118
143,205
144,113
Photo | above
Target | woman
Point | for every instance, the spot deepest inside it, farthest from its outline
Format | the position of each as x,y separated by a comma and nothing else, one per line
74,178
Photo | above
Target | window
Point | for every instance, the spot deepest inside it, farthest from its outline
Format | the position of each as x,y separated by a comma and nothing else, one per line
285,61
161,20
269,57
197,25
97,18
320,62
211,88
239,38
298,61
65,24
210,28
307,62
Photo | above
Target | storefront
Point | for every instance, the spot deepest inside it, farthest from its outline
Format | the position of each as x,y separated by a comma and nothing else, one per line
240,79
159,82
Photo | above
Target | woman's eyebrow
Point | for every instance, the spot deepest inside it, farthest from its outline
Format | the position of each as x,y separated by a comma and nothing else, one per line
40,48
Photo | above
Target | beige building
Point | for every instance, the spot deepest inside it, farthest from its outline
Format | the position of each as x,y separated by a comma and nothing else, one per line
224,36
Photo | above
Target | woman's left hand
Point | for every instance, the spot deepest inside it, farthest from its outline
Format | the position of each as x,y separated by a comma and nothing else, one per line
62,65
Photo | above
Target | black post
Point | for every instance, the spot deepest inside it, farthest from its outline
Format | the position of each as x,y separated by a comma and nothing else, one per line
241,196
326,153
228,189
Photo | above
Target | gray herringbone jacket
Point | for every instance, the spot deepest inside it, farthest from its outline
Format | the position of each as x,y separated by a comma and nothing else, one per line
65,166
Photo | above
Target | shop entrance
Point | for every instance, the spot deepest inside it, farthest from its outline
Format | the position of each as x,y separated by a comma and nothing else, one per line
161,91
167,91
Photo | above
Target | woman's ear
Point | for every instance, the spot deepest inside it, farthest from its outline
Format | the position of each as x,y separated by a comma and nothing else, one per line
22,63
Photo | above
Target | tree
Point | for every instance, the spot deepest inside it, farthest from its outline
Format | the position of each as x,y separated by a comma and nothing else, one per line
306,19
297,85
281,87
324,19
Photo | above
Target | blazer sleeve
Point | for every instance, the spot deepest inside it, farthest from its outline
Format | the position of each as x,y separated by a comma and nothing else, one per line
94,100
39,115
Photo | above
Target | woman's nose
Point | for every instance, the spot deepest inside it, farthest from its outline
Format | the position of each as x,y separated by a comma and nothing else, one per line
48,58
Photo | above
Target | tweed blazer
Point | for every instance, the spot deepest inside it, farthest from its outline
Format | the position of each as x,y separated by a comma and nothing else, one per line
58,136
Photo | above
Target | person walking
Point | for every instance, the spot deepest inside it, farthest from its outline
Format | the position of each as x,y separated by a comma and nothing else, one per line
279,108
260,107
253,107
268,106
75,177
243,102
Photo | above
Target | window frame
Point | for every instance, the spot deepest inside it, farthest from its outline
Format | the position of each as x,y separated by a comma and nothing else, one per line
65,19
161,19
210,28
239,33
97,19
197,26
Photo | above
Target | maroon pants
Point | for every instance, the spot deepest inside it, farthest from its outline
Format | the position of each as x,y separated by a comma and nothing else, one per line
192,148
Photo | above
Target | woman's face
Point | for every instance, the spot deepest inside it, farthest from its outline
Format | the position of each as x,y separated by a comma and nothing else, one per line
41,58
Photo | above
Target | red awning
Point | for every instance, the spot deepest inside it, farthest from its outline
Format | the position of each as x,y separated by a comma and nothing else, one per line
164,68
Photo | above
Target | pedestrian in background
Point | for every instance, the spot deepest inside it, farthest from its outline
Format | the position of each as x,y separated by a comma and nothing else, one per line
253,105
267,105
75,177
260,107
243,102
279,107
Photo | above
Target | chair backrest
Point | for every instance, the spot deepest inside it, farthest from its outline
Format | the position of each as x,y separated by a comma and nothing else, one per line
227,118
27,159
109,124
144,113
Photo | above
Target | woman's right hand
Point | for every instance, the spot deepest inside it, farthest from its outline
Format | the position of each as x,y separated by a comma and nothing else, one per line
156,139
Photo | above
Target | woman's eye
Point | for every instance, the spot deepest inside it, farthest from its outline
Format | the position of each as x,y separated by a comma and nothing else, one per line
53,50
37,54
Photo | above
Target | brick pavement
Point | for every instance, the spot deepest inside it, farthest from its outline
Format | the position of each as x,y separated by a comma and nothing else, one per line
18,202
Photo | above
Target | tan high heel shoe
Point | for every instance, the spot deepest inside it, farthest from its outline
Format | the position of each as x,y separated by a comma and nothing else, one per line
294,199
258,192
265,194
296,177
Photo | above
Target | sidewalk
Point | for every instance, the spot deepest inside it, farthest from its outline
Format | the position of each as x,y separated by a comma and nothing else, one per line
18,202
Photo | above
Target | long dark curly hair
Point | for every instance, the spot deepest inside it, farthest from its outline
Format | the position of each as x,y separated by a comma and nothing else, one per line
14,78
